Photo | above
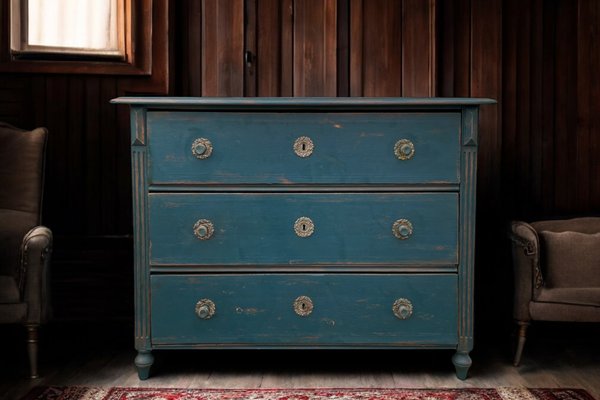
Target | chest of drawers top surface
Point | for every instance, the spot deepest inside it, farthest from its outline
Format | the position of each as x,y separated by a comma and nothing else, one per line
304,222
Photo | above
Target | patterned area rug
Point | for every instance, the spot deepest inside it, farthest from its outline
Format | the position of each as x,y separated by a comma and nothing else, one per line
86,393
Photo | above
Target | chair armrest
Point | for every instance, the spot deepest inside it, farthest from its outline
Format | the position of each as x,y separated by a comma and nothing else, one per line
526,264
36,250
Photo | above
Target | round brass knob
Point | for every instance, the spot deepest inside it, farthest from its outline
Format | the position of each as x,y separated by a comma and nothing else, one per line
202,148
402,308
303,306
304,227
404,149
205,309
303,146
204,229
402,229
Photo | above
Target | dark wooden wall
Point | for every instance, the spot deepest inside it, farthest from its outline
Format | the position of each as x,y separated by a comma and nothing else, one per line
538,154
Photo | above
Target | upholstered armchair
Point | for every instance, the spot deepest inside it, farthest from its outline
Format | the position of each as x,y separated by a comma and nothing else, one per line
556,272
25,246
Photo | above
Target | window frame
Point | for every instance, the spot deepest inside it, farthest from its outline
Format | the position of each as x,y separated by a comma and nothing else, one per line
137,42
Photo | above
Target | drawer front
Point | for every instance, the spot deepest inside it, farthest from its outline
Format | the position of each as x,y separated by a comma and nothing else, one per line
268,229
346,310
347,148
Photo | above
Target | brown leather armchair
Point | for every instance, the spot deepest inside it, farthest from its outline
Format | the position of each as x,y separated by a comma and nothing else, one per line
25,246
556,272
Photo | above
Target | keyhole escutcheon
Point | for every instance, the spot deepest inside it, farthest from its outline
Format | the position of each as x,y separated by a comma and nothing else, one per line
303,146
303,306
304,227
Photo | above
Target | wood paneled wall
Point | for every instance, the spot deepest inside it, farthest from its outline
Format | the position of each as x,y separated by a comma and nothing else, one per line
538,147
308,48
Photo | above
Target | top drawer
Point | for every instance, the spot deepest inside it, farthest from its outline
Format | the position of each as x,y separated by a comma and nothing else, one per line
342,148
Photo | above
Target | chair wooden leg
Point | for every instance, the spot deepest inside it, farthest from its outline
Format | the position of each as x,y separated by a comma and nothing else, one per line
522,336
32,349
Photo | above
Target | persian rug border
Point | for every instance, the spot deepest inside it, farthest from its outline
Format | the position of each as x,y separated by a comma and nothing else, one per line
129,393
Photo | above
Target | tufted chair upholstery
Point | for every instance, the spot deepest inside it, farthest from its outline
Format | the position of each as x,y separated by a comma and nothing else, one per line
25,245
556,271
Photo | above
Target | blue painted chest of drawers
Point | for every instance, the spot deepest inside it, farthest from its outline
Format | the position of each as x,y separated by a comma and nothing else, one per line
303,223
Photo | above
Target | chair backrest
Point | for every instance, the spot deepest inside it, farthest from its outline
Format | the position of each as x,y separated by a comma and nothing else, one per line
22,158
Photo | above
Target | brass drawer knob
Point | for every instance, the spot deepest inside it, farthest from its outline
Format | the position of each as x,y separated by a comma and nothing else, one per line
303,306
402,229
202,148
404,149
402,308
205,309
304,227
303,146
204,229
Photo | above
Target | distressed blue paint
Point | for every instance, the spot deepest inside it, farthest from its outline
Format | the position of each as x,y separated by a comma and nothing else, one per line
253,187
258,148
348,309
258,228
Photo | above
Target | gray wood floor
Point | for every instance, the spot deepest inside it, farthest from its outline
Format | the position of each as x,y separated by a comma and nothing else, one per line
89,359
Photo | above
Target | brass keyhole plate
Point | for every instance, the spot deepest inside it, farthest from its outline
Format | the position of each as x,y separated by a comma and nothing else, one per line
202,148
204,229
402,229
304,227
205,308
303,146
402,308
303,306
404,149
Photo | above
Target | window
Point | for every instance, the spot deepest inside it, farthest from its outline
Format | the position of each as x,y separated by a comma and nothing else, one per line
116,37
68,27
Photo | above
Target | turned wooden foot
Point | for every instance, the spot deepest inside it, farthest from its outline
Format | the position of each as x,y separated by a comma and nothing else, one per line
32,349
522,336
143,362
462,362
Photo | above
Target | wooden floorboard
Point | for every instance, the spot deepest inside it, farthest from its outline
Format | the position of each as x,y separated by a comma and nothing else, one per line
90,356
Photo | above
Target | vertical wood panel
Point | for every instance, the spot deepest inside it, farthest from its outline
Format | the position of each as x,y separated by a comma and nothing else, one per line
222,48
585,14
537,116
510,167
376,48
343,48
522,102
270,35
250,48
315,41
75,131
92,154
548,76
418,48
356,47
594,104
486,81
287,48
274,48
565,107
190,37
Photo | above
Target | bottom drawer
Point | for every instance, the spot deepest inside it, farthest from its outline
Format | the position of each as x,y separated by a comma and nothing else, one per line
336,310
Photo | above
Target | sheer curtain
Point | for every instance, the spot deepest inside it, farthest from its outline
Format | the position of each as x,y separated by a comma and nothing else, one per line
82,24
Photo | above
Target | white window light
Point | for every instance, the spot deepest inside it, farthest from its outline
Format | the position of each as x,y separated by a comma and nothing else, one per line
84,27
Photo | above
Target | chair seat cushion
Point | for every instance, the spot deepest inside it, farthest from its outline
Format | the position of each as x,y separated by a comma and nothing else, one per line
9,290
583,296
570,259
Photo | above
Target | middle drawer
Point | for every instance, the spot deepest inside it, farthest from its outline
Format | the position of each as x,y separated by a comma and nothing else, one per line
303,228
